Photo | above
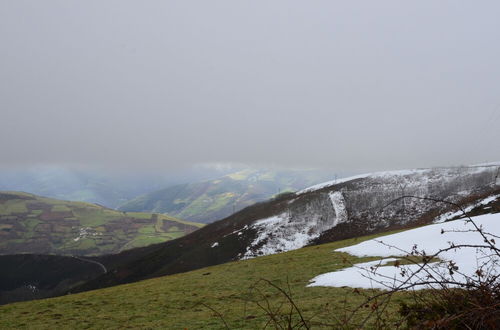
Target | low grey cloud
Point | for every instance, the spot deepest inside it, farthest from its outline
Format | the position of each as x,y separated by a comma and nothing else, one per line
343,84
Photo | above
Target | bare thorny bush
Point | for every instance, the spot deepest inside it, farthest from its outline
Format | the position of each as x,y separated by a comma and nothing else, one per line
436,293
451,299
283,314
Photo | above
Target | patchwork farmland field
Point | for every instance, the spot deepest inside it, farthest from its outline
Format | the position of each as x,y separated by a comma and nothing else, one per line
34,224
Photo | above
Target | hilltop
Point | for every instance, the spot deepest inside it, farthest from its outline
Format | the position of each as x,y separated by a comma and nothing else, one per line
36,224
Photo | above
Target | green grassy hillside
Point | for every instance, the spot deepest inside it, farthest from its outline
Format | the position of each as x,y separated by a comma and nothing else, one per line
192,300
212,200
35,224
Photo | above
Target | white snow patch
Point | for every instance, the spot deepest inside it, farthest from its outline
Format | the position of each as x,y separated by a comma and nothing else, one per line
346,277
278,234
237,231
428,238
32,287
339,205
453,214
215,245
283,232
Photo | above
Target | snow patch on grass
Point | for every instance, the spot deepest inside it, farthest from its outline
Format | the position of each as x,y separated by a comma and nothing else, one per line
430,239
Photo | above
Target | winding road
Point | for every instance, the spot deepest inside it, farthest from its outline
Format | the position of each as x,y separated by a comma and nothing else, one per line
93,262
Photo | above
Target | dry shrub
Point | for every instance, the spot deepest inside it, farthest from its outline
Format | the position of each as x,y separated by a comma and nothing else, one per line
475,307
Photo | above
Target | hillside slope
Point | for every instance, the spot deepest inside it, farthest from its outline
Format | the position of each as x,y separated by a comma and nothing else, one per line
241,294
212,200
343,209
35,224
30,276
180,301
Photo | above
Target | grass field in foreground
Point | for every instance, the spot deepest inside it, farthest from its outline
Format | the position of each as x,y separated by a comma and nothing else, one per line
186,300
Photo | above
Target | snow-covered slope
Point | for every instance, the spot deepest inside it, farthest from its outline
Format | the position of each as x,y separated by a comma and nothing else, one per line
431,239
293,230
370,203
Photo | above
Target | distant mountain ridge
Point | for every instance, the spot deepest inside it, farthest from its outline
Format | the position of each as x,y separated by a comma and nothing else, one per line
212,200
36,224
101,186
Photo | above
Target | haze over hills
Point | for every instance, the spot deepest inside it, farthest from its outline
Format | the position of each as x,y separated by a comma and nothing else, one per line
100,185
155,191
35,224
212,200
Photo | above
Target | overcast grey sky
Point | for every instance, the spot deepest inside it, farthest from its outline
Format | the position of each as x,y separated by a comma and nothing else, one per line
343,84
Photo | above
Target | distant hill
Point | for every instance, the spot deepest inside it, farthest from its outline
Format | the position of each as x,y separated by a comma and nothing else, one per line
35,224
101,186
212,200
